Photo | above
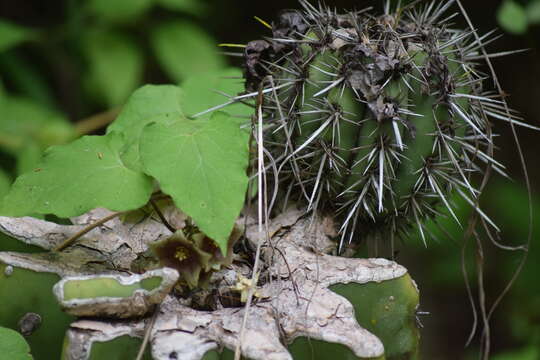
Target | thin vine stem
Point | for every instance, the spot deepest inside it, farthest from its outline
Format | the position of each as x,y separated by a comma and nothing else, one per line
87,229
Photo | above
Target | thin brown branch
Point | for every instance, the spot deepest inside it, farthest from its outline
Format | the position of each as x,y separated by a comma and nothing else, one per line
96,122
84,231
161,216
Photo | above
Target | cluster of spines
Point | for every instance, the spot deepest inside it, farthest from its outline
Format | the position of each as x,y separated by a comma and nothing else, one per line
376,118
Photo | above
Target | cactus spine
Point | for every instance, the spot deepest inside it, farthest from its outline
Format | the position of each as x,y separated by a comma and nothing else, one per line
375,118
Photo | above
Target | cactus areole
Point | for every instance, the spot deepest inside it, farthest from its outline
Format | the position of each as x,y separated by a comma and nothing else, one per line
377,119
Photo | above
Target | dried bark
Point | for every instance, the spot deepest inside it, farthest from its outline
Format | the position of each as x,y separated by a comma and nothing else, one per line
293,299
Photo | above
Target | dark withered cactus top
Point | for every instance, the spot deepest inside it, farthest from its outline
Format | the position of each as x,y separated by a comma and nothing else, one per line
374,118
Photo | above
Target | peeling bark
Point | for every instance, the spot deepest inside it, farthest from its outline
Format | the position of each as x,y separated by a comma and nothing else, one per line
293,299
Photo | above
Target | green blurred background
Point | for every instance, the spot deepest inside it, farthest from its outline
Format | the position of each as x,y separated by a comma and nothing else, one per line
67,66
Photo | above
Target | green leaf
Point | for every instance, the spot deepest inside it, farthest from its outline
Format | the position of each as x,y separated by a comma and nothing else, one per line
5,183
119,10
202,165
512,17
22,121
183,49
28,158
148,104
208,90
116,65
25,78
533,12
194,7
12,35
73,179
13,346
528,353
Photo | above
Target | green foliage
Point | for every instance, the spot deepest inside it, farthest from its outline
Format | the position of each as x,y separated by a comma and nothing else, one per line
112,55
118,10
512,17
27,291
202,165
205,91
184,50
528,353
73,179
12,35
24,122
27,128
147,104
533,12
5,183
194,7
13,346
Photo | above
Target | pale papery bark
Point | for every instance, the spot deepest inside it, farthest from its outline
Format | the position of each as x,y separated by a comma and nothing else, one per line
293,299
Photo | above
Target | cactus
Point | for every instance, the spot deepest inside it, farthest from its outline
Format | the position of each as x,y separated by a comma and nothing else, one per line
374,118
391,316
24,291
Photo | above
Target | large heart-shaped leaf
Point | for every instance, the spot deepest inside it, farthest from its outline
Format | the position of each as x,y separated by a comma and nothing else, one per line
148,104
73,179
206,91
202,165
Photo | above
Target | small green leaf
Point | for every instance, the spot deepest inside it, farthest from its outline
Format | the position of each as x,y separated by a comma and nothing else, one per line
119,10
147,104
73,179
13,346
208,90
183,49
116,64
12,35
194,7
533,12
512,17
202,165
23,121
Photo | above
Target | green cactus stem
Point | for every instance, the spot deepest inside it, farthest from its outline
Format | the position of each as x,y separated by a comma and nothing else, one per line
388,310
375,118
121,296
24,291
